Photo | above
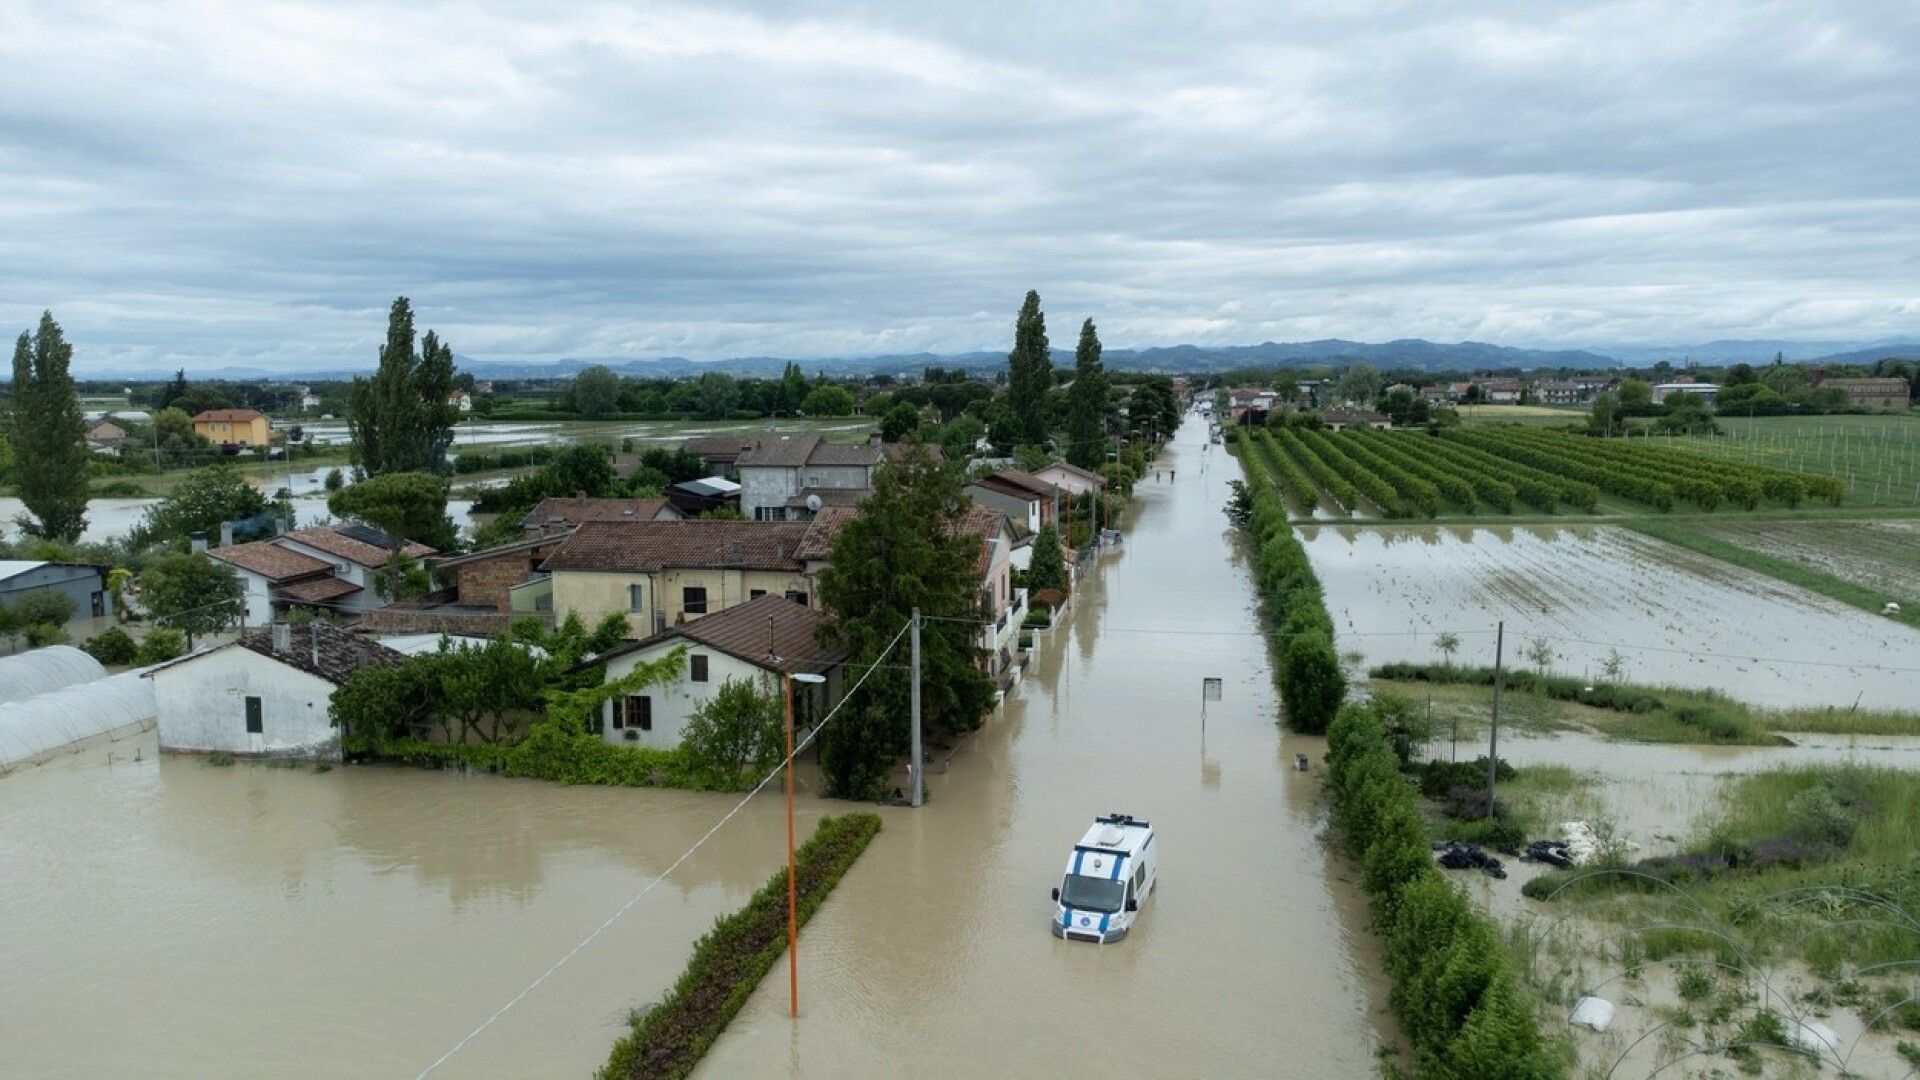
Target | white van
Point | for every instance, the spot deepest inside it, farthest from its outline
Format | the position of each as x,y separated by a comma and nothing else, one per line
1113,869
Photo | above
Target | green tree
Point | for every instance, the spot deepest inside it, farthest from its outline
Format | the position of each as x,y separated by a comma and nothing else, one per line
1048,570
581,470
400,419
203,501
1087,402
192,594
48,435
486,684
793,390
899,421
409,505
828,401
1311,682
1359,384
1030,371
959,436
1601,416
1448,643
736,736
900,553
1635,396
44,607
1153,406
714,395
378,704
595,392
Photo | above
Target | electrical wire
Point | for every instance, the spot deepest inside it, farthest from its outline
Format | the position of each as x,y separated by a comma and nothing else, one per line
684,856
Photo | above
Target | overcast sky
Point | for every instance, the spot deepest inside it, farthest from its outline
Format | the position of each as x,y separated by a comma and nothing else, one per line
252,183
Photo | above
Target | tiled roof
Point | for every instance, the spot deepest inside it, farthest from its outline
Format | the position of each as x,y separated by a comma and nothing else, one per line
784,452
830,496
1019,485
531,544
326,538
270,561
818,541
985,523
717,447
865,453
225,416
646,546
317,590
770,631
1075,470
321,649
575,511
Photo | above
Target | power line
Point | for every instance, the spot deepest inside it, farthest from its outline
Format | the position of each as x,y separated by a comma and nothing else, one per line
684,856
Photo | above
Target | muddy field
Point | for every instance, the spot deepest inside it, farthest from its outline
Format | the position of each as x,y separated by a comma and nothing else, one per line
1869,553
1673,617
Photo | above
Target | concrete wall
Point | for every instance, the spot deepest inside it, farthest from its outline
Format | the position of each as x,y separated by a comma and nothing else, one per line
675,703
203,705
594,593
766,487
1027,510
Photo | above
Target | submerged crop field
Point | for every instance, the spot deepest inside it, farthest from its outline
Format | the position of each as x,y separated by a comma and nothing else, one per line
1578,596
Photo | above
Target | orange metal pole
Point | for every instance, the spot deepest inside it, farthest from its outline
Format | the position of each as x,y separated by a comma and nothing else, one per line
793,921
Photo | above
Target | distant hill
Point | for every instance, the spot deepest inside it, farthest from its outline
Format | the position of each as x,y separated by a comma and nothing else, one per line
1412,353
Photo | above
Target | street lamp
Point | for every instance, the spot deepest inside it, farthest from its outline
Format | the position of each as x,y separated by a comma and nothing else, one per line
793,920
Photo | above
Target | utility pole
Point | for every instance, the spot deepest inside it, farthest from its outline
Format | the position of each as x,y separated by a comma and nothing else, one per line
1493,740
914,770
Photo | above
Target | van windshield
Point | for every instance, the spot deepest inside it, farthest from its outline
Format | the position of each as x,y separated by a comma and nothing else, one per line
1084,893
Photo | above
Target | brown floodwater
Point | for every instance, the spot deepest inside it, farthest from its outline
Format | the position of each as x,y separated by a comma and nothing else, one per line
168,918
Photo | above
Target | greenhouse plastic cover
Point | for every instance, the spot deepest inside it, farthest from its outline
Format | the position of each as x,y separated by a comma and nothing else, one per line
50,722
42,671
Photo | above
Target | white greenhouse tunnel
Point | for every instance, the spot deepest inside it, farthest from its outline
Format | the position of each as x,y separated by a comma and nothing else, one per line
59,699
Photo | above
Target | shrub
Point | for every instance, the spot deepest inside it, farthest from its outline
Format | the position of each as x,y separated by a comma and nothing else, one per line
41,635
161,644
112,647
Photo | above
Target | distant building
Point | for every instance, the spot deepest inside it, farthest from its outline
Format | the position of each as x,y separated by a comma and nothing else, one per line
233,427
1342,419
1705,392
1879,394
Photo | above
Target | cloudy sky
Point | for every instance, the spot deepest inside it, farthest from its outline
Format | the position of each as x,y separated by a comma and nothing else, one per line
252,183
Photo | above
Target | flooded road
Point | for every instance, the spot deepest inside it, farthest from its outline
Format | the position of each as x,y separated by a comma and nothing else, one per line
172,919
934,958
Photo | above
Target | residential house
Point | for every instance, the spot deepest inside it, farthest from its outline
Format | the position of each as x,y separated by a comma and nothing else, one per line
759,641
664,573
1442,394
233,427
1501,391
1025,498
720,452
1879,394
105,437
1003,607
83,583
461,400
330,567
1560,392
269,692
1593,386
564,514
1071,479
481,592
790,477
306,398
1342,419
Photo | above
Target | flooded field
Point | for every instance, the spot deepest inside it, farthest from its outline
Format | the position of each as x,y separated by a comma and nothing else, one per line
1875,554
1674,617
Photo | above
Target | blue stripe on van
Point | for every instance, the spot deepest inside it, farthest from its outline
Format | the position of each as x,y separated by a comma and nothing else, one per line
1077,857
1115,876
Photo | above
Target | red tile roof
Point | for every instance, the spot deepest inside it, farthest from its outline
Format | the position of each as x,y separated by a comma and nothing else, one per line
770,631
575,511
318,590
227,416
271,561
646,546
818,542
326,538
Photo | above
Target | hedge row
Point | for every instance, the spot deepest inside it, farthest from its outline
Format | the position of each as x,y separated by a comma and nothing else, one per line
1619,697
1454,990
733,958
1307,669
551,753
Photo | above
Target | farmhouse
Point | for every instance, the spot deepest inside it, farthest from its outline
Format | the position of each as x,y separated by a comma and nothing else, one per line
1880,394
266,693
758,641
1342,419
331,567
664,573
232,427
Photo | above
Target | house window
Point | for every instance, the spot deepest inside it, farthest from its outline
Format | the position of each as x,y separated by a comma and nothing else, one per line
699,668
797,597
755,594
256,724
618,707
636,598
640,712
693,600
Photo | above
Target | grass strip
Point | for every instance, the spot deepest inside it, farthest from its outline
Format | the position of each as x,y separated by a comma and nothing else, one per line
729,962
1870,600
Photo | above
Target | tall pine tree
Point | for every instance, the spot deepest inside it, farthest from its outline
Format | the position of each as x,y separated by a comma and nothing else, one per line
900,553
401,419
1087,403
48,435
1030,371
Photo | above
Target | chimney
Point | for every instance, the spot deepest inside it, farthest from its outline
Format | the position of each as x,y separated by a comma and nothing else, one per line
226,534
199,542
279,526
282,638
873,438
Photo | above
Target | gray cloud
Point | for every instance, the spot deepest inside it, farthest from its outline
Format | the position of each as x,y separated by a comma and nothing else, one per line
198,186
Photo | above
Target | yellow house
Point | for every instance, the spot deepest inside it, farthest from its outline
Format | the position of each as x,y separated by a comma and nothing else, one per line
232,427
662,574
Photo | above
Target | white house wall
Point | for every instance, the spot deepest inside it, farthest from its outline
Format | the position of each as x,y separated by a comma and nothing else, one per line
203,705
674,703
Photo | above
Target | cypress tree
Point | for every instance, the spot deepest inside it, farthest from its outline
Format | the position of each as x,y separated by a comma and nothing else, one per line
1087,403
1030,371
50,452
400,419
